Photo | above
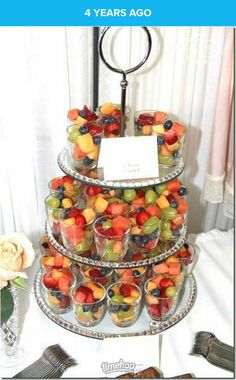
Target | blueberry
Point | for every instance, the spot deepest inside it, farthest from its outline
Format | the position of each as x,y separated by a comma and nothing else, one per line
110,293
136,273
106,120
45,245
86,308
61,188
82,114
177,232
94,308
186,245
60,196
54,292
153,235
175,154
106,191
145,239
125,307
160,140
83,129
137,239
139,209
114,308
66,212
155,292
87,161
59,296
183,191
103,271
174,204
139,127
97,140
168,124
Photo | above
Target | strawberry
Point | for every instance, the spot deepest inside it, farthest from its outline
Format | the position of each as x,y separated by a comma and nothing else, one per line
170,137
137,257
118,232
80,220
142,217
90,191
116,114
184,255
108,233
95,273
90,298
49,282
154,310
166,282
113,128
81,293
173,185
73,213
65,302
66,178
146,119
140,193
97,190
126,289
95,130
68,275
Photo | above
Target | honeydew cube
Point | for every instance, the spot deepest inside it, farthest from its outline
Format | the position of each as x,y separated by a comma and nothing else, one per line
159,129
86,143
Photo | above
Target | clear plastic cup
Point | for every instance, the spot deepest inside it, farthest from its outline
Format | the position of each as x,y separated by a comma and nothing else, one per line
103,276
109,118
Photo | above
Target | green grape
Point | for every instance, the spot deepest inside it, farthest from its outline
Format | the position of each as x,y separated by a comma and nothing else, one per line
84,245
150,197
171,291
166,234
53,202
117,298
160,188
165,225
125,314
151,225
129,195
56,214
169,213
74,135
112,200
107,224
165,160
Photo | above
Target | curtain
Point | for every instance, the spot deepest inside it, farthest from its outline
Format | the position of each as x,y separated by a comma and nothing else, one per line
46,70
181,77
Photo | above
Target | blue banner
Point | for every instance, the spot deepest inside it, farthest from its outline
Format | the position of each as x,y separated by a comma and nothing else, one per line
117,13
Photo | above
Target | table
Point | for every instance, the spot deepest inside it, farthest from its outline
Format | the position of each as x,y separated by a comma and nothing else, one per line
213,311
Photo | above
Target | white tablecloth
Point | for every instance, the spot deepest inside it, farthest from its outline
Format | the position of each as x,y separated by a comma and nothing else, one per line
213,311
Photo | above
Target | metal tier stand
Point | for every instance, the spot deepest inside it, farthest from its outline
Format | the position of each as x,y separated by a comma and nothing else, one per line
124,82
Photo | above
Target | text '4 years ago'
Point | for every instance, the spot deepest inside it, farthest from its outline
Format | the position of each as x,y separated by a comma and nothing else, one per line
117,12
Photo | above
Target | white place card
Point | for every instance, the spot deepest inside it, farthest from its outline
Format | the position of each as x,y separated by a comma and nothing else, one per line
127,158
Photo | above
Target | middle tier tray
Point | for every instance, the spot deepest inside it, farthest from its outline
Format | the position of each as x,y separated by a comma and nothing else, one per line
123,264
167,173
106,329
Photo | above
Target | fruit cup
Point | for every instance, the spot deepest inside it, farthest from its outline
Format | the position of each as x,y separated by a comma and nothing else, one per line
65,184
82,116
101,275
131,275
111,235
45,247
55,203
171,268
173,223
56,261
76,229
145,230
146,121
110,119
57,287
161,297
187,255
89,302
123,300
84,144
105,201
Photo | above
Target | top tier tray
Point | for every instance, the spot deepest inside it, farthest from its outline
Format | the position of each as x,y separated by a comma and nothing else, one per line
166,174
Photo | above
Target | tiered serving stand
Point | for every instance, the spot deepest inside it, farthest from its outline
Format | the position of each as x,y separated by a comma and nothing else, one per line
144,325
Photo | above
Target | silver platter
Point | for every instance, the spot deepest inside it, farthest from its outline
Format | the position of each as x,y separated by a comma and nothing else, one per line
129,264
106,329
166,174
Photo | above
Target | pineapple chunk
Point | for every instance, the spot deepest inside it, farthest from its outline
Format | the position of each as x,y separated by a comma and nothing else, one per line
86,143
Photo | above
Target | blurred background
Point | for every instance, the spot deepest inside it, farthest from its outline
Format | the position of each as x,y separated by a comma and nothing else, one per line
45,71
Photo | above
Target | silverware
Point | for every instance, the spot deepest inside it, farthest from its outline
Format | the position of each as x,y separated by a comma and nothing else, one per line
52,364
215,351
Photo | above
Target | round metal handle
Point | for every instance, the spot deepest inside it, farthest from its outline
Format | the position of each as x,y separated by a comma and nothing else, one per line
120,71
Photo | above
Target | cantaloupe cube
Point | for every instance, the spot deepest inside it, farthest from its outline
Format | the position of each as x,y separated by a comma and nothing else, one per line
98,293
85,143
150,286
164,151
179,129
147,130
174,269
157,279
161,268
172,259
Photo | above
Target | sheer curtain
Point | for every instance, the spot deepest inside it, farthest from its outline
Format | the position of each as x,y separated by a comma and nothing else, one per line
181,76
46,70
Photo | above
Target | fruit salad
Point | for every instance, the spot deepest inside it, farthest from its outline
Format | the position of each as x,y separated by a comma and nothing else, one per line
145,229
132,275
170,134
56,261
65,184
82,116
161,297
110,119
89,299
123,303
57,286
111,235
172,268
55,203
84,144
187,256
76,229
101,275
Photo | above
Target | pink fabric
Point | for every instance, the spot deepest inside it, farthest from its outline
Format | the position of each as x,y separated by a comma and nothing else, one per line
221,156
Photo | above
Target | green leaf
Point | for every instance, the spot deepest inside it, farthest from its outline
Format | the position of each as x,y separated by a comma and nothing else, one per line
20,283
7,305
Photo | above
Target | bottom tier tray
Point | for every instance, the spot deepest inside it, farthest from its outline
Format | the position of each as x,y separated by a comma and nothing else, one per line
106,329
